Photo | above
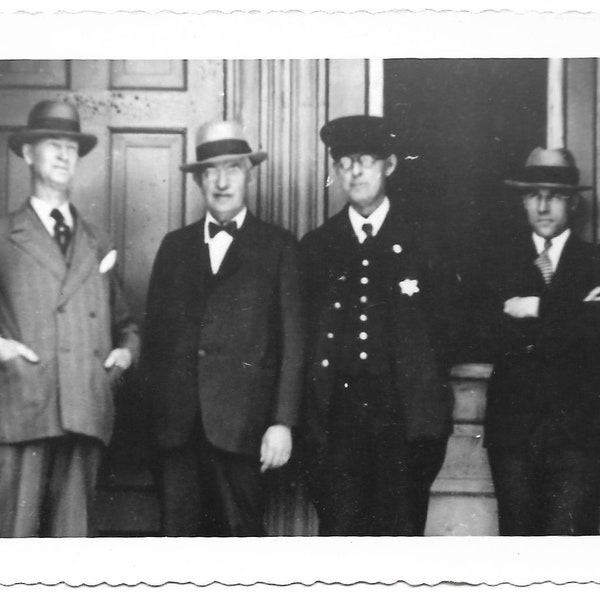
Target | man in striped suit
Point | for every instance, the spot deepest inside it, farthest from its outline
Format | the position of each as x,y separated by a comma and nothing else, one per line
65,337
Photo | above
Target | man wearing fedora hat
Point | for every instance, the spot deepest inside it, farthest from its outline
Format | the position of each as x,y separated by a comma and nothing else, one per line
224,349
542,425
66,334
378,408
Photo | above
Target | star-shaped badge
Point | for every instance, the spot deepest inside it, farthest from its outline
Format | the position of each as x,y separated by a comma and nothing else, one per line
409,286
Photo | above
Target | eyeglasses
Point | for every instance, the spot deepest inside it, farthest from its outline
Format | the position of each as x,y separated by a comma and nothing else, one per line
230,170
366,161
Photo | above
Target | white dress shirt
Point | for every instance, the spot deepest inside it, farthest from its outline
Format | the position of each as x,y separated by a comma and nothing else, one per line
218,245
43,209
375,219
555,250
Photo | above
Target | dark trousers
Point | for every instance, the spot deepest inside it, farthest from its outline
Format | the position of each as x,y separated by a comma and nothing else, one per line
371,481
205,491
47,486
548,486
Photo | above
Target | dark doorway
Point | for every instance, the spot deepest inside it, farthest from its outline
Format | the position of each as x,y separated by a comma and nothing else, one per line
463,125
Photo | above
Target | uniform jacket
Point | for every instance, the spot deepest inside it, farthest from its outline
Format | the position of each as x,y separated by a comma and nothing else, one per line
417,323
550,363
235,354
71,317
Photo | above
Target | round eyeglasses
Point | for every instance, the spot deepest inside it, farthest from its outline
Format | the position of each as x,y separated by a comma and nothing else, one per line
366,161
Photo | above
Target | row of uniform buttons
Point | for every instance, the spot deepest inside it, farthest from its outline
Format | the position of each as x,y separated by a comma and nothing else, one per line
363,335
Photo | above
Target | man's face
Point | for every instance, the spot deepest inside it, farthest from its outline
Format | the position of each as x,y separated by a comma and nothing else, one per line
548,210
224,187
362,177
52,161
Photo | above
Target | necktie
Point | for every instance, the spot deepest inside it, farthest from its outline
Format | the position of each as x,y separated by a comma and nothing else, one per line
543,263
214,228
62,232
368,229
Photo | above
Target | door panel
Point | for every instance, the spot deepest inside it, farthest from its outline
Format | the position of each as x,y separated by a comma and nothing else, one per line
146,74
35,73
145,202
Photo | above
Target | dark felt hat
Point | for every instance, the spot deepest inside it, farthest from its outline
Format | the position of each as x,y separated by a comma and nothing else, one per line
218,141
51,118
355,134
550,168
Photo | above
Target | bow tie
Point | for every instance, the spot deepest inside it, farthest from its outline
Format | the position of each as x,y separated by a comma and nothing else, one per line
214,228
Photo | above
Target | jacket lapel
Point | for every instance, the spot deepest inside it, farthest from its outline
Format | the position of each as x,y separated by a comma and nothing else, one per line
29,234
84,258
568,267
196,270
239,246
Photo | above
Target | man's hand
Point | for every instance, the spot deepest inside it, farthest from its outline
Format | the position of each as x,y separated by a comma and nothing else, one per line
520,308
593,296
276,447
120,358
10,349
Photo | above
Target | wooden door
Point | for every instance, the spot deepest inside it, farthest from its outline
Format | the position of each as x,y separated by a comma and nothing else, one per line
145,114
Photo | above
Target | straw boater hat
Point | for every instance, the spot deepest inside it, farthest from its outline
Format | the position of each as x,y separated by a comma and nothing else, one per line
48,119
549,168
221,140
355,134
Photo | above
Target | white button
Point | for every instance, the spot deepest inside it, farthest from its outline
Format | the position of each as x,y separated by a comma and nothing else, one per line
365,262
330,335
337,305
363,356
363,335
397,248
364,280
324,363
363,318
346,385
363,299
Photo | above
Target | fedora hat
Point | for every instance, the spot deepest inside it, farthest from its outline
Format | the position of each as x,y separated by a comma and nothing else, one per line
365,134
550,168
51,118
221,140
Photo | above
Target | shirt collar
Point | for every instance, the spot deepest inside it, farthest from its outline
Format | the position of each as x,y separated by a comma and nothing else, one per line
558,242
43,210
239,220
376,219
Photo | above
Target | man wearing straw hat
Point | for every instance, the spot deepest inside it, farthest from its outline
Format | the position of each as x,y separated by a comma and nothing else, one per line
542,426
66,335
223,349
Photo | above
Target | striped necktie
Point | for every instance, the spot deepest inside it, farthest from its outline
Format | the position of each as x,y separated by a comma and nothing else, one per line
543,263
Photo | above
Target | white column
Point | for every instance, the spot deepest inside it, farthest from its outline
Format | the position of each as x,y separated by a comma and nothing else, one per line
375,91
555,136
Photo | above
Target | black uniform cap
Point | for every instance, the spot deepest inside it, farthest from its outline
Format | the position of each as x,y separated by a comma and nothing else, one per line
358,134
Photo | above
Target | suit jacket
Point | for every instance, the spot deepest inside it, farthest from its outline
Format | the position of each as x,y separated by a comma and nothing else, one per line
235,353
71,317
546,365
418,323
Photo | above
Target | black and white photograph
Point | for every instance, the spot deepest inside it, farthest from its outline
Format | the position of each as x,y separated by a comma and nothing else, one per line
301,303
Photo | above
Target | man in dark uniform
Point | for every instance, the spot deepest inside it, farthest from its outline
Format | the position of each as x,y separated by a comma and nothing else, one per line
378,410
542,426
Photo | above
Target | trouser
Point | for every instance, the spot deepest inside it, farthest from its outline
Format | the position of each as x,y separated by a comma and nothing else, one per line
205,491
371,480
47,486
547,486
